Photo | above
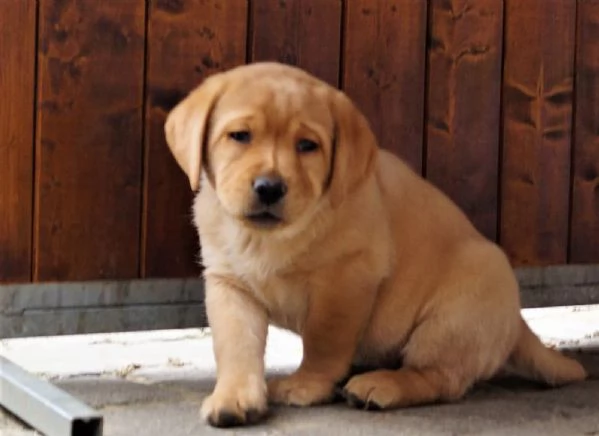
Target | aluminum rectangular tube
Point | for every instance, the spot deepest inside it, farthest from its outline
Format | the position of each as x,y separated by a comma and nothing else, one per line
43,406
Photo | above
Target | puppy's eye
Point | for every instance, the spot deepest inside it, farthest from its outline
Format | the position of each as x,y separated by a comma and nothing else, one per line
242,136
306,146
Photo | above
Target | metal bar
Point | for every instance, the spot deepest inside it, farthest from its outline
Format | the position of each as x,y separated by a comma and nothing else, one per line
42,405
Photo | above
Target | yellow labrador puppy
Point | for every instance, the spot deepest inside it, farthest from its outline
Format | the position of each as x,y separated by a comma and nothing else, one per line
306,224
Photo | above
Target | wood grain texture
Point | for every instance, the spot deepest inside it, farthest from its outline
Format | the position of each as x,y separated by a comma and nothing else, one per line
384,70
537,114
187,41
17,85
88,167
304,33
584,243
464,105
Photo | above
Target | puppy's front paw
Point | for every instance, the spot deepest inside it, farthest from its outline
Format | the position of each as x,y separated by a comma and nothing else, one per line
236,403
300,389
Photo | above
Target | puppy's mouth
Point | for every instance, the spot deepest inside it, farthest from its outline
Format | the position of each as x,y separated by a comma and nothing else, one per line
264,219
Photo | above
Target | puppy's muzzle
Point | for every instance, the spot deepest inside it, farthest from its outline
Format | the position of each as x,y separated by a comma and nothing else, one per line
269,192
269,189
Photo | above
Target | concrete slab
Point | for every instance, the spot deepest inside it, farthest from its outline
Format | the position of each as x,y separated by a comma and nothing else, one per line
491,409
153,383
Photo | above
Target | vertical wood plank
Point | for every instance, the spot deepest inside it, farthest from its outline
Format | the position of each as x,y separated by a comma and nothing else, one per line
463,110
537,112
584,244
17,54
384,70
187,41
304,33
88,151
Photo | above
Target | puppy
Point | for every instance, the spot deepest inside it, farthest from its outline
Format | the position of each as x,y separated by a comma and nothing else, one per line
306,224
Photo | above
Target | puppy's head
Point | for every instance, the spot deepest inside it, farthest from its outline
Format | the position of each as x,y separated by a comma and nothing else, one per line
274,142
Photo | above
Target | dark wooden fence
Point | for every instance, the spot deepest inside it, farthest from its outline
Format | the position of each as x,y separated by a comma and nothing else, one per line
496,102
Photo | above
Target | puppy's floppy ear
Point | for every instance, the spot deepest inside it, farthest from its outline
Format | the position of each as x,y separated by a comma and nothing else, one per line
354,149
186,127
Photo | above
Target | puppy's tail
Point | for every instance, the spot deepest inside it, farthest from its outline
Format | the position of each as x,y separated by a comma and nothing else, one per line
531,359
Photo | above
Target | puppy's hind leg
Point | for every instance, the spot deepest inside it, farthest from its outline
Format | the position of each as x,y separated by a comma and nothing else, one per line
444,357
407,386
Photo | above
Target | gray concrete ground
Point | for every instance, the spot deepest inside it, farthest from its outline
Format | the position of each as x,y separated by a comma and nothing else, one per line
152,384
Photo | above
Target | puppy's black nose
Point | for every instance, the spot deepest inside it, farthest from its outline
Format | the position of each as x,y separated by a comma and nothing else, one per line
269,189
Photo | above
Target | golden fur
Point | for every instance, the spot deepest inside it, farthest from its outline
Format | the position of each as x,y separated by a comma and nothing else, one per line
370,263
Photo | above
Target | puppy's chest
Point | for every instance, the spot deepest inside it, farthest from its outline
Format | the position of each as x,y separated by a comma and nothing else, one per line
285,297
